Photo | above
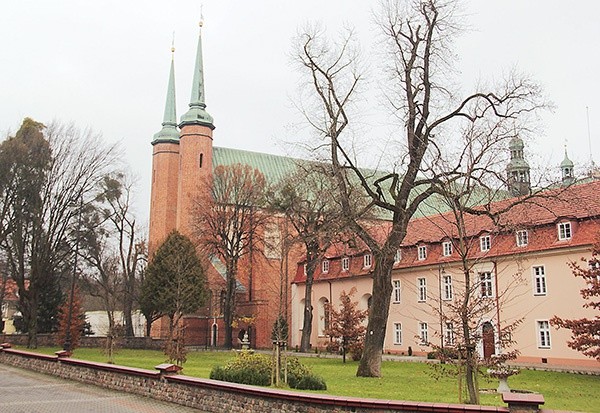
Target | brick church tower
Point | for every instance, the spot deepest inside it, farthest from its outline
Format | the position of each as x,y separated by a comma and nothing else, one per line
181,160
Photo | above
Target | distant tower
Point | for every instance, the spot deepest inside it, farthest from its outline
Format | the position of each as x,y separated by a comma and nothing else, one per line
195,146
165,169
566,167
518,169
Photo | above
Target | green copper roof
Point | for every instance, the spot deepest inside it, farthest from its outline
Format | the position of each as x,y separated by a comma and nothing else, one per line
273,167
516,143
566,163
197,114
169,132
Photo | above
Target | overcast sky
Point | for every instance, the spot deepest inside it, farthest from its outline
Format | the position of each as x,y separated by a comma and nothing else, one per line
105,65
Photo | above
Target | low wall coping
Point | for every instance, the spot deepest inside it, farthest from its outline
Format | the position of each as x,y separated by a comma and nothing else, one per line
331,400
111,367
30,354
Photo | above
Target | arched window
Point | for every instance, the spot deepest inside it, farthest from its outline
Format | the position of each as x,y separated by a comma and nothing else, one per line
323,315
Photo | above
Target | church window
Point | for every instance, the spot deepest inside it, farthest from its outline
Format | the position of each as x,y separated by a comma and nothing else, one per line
272,240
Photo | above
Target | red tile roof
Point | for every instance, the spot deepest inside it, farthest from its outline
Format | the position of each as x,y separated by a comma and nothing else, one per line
578,204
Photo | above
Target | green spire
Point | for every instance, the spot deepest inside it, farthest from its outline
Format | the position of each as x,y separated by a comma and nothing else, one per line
566,163
197,114
169,132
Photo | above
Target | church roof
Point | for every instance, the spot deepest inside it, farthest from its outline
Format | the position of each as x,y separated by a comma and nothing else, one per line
273,167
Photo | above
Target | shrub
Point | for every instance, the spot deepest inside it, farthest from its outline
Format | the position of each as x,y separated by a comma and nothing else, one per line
246,368
311,382
301,377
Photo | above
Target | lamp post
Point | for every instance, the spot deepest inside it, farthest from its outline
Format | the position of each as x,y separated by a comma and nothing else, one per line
68,339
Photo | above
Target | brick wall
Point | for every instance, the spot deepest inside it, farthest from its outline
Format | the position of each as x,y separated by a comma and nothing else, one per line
216,396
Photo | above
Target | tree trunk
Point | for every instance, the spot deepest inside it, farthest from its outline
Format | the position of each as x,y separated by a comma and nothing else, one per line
229,309
370,362
128,307
308,309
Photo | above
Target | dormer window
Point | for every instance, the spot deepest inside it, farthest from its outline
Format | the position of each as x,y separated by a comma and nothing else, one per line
422,252
447,248
398,256
564,231
485,243
325,266
367,260
522,238
345,264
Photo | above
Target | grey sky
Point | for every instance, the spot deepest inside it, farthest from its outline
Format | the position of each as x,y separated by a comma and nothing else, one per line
105,64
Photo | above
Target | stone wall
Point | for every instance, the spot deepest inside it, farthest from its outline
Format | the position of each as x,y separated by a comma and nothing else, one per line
216,396
50,340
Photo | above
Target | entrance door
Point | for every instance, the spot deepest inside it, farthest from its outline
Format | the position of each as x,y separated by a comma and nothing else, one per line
489,342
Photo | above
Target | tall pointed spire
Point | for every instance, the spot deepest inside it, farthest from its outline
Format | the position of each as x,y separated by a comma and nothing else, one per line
197,114
169,132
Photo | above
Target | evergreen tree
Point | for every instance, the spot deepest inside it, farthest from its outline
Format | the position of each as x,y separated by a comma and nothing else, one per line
174,283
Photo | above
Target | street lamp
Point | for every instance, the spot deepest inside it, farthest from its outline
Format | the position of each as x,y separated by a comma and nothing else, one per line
67,346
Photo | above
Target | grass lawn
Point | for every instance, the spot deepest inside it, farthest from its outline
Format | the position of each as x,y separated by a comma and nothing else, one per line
401,380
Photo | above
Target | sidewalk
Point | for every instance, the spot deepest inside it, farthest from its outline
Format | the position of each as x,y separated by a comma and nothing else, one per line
25,391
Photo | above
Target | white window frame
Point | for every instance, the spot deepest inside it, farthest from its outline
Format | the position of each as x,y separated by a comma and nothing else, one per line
396,291
543,334
447,248
325,266
522,237
423,333
398,256
540,285
367,260
449,336
421,289
397,333
447,287
565,231
486,284
485,243
345,263
422,252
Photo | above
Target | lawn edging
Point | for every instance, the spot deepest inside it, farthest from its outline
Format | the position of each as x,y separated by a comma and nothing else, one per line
217,396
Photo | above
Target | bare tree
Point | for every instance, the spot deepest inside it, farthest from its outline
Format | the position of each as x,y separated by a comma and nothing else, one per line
417,36
54,171
226,221
307,198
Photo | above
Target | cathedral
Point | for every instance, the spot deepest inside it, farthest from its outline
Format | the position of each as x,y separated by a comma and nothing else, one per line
534,252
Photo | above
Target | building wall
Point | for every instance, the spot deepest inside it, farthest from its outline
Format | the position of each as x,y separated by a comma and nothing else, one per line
514,299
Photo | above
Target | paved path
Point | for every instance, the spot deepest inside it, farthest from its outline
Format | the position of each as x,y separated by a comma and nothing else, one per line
23,391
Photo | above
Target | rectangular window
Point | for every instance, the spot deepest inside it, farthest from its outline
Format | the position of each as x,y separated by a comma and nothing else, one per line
367,261
564,231
485,243
486,283
396,291
447,248
398,256
423,333
397,333
522,238
325,266
447,281
422,252
345,264
422,285
539,280
543,328
449,334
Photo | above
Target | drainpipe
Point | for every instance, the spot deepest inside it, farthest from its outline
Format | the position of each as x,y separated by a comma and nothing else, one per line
440,272
497,305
